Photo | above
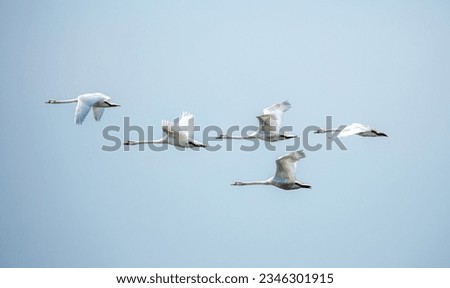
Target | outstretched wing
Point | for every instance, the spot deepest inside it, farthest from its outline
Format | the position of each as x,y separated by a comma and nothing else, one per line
287,164
167,126
81,111
85,102
267,123
353,129
277,108
185,124
272,115
175,136
98,112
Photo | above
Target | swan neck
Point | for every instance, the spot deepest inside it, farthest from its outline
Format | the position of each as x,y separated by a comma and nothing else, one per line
263,182
249,137
62,101
150,141
232,137
331,130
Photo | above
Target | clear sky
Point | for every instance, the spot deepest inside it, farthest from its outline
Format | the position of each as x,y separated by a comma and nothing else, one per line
382,203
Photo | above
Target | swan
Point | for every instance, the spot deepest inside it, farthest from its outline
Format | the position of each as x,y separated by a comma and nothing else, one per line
179,134
96,101
269,125
285,174
355,129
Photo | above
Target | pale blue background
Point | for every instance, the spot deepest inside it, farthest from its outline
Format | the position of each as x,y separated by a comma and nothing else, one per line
382,203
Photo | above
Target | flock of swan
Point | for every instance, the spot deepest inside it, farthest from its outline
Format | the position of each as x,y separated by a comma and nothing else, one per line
181,133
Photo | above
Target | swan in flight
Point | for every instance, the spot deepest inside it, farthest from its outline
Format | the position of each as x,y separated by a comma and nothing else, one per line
285,175
96,101
355,129
269,125
180,133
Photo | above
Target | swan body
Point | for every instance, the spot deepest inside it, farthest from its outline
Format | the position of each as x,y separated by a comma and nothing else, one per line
355,129
96,101
284,177
269,125
178,134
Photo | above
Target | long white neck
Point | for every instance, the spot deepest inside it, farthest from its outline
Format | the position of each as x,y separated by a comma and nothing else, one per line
332,130
327,130
159,141
263,182
62,101
252,136
228,137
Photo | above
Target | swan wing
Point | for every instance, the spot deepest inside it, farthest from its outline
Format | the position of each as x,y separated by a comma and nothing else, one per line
275,112
277,108
268,123
174,135
85,102
353,129
287,164
167,126
98,112
81,111
185,124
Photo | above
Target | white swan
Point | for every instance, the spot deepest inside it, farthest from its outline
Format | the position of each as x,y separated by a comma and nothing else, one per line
179,134
355,129
285,175
269,125
96,101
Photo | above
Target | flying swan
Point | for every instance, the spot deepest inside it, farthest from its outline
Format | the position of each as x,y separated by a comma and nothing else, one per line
96,101
180,133
285,175
355,129
269,125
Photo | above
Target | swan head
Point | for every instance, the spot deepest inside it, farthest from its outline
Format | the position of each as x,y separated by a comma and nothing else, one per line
129,142
287,136
51,101
237,184
110,104
298,185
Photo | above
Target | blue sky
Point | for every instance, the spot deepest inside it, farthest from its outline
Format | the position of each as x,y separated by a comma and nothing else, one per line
381,203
